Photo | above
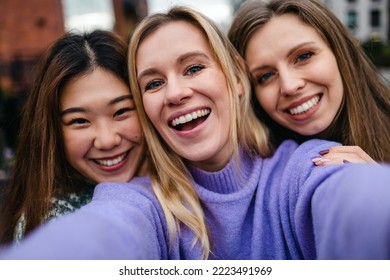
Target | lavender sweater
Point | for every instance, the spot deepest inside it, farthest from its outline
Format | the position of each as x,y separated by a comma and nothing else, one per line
276,208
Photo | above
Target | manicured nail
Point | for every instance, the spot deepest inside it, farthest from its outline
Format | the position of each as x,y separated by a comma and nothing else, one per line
320,159
324,152
346,161
316,159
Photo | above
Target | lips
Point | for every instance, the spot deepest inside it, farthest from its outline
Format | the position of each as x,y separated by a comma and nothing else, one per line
112,161
305,106
190,120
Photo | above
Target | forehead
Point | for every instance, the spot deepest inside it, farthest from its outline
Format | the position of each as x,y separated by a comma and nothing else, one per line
171,39
281,34
99,84
286,26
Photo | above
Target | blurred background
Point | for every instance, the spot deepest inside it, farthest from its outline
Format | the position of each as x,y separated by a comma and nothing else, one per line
28,27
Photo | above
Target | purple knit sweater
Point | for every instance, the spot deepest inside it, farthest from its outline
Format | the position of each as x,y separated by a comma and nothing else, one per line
282,207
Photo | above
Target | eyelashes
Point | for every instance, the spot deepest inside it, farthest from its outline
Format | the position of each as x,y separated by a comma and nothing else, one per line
82,121
301,59
192,70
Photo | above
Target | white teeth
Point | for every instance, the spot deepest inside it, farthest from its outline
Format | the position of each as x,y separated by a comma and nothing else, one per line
189,117
112,161
305,106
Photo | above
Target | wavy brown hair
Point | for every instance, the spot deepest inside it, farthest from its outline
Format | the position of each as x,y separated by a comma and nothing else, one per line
41,170
364,117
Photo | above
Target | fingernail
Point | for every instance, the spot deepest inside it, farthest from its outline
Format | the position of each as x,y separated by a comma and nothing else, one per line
321,159
316,159
324,152
346,161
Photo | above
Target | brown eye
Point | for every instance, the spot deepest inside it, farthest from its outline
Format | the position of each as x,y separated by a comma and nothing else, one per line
78,121
122,111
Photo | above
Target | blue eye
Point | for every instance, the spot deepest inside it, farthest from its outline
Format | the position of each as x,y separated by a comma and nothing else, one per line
263,78
153,85
194,69
304,57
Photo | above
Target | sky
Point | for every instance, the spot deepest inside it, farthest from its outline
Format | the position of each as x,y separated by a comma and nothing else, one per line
92,14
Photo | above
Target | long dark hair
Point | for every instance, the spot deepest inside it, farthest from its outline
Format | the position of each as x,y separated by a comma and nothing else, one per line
41,170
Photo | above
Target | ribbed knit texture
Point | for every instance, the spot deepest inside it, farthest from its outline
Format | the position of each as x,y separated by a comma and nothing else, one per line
282,207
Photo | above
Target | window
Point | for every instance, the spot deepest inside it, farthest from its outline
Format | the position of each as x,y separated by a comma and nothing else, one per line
352,19
88,15
375,18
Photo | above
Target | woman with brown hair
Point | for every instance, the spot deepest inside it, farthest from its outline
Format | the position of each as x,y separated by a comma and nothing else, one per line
213,191
311,79
79,128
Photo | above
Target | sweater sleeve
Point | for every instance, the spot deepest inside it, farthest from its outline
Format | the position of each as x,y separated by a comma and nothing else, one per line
351,214
337,211
121,222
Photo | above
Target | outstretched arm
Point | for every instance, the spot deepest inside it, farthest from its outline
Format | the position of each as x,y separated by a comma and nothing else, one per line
351,214
120,223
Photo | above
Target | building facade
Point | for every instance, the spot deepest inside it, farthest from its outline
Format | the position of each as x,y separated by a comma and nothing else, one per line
367,19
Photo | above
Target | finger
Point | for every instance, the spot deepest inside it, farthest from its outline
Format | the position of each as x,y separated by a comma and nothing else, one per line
353,150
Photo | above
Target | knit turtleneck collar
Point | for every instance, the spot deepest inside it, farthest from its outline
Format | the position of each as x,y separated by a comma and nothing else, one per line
230,179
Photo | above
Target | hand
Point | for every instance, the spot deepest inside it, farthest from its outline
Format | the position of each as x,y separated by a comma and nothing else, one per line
342,155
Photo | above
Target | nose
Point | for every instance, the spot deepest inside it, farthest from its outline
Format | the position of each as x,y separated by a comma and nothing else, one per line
176,91
290,82
106,136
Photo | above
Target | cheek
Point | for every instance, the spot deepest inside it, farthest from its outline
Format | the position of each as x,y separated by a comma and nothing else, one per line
68,141
152,108
267,99
133,131
75,144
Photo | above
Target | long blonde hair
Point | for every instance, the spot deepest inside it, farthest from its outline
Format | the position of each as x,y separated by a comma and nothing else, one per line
171,179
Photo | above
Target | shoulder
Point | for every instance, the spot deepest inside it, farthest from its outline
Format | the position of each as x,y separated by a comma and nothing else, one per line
138,186
313,146
68,203
302,154
136,195
300,173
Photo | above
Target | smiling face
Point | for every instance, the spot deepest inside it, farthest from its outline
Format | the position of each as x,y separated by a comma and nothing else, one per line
185,94
101,131
297,79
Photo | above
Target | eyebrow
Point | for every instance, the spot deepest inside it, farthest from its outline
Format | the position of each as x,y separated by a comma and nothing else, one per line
180,59
81,109
298,46
291,51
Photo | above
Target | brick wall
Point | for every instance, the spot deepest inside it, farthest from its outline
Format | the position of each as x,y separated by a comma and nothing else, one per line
27,27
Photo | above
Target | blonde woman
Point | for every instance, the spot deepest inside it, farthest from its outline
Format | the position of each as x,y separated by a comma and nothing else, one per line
213,193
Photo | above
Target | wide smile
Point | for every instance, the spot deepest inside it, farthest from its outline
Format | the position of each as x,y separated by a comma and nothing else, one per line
112,161
190,120
304,107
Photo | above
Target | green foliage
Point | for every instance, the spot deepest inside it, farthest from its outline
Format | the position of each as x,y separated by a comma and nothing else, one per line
378,51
